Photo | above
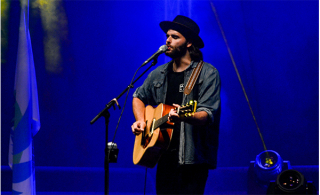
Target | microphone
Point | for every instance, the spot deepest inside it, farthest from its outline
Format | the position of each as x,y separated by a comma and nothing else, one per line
161,50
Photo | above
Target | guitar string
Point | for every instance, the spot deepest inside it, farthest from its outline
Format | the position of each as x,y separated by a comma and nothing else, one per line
164,119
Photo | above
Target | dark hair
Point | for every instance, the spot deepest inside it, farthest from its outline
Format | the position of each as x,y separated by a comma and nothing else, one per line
195,53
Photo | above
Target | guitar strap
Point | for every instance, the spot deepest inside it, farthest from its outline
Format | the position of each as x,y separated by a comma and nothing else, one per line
193,78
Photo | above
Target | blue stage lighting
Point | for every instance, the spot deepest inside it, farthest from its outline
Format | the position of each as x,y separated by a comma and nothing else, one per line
291,182
267,166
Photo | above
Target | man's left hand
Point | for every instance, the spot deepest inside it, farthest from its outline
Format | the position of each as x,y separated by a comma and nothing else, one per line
173,115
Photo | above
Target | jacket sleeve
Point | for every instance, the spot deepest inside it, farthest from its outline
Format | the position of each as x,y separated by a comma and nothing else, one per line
144,91
209,93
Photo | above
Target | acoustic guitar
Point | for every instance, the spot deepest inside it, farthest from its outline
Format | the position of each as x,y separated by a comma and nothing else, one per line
156,137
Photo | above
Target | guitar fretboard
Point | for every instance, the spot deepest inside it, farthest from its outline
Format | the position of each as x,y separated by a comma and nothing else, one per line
180,111
161,121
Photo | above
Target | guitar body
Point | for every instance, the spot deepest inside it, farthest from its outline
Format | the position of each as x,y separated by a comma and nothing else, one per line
149,145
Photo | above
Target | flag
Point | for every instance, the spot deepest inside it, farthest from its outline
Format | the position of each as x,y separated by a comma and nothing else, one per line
26,118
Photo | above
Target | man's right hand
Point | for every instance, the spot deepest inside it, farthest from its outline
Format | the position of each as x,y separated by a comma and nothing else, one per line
138,127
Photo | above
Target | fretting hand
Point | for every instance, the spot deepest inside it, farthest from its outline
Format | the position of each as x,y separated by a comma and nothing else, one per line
173,115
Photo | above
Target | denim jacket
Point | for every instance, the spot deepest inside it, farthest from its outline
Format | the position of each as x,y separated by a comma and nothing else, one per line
198,143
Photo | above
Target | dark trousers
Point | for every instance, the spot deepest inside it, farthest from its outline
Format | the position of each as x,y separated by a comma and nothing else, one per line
180,179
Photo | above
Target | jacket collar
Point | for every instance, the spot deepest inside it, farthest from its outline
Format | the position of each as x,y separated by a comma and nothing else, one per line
164,68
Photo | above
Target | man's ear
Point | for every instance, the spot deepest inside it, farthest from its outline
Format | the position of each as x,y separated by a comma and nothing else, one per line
189,44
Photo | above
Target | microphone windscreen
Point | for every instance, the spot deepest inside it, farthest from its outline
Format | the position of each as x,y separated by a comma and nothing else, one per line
163,48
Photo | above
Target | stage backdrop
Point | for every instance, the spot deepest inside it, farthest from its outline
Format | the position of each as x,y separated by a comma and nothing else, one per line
86,53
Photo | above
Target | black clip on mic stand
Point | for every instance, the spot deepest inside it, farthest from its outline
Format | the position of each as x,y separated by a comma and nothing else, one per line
105,113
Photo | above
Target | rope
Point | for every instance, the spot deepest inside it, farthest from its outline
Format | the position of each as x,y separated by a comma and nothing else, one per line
236,69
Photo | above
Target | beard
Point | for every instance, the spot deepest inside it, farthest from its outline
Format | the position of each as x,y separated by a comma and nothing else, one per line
178,52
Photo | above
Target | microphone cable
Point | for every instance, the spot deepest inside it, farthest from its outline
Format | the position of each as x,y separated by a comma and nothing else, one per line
124,105
114,136
145,182
164,47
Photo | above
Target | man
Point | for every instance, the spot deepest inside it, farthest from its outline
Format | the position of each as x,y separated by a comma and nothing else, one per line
184,167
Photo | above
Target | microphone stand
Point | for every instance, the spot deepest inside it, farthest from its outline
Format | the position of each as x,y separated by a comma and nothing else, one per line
106,114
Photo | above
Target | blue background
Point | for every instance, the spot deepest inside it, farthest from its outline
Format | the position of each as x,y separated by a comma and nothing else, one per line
275,46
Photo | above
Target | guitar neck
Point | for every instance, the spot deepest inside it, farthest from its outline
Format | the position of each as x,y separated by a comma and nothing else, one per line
183,111
161,121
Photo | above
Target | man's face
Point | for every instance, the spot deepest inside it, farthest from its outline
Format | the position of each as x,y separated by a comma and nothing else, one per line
177,44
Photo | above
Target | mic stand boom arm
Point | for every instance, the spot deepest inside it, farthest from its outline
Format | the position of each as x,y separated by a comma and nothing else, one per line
105,113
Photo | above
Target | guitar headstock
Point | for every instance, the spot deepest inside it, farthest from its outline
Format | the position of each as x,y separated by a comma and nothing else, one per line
187,110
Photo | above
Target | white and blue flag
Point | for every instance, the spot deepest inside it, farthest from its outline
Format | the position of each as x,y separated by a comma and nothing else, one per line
26,119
